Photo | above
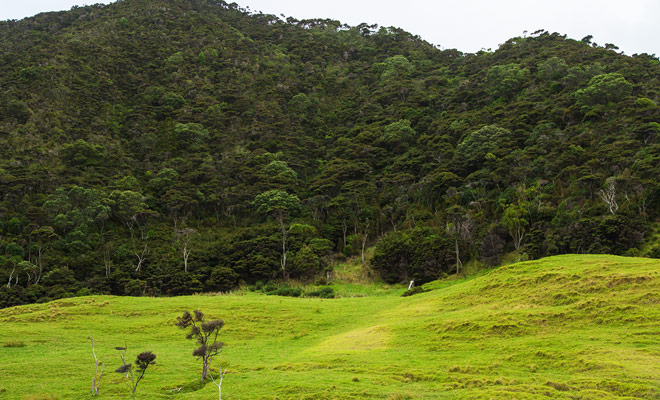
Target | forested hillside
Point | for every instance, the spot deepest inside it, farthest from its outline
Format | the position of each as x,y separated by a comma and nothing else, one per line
154,147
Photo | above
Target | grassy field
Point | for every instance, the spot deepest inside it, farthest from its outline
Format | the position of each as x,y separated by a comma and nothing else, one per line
566,327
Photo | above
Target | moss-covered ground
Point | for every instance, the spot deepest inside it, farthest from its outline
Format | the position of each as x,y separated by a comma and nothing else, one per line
566,327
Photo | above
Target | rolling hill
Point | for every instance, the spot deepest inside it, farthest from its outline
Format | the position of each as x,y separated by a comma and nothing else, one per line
563,327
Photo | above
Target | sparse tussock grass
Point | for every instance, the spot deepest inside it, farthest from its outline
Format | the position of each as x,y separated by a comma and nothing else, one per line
13,343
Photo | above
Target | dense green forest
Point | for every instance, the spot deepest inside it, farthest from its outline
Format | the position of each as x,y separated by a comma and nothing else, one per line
154,147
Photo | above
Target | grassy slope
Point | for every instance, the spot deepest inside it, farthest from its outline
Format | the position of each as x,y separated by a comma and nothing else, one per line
564,327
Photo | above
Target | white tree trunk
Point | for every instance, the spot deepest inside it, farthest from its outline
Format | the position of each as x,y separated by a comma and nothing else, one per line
11,276
39,263
458,257
284,236
344,227
609,197
219,383
141,257
186,254
107,260
97,378
364,243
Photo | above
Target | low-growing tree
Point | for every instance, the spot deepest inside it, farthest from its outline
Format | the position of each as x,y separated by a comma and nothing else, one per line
135,375
205,333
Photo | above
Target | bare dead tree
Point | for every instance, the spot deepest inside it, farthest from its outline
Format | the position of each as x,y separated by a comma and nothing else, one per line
365,236
184,236
141,256
608,195
96,381
107,258
461,227
285,233
11,276
140,252
42,236
221,376
40,253
29,269
454,230
186,253
644,196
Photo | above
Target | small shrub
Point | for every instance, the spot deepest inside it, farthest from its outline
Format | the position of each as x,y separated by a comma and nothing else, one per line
654,252
324,293
269,287
413,291
285,291
135,287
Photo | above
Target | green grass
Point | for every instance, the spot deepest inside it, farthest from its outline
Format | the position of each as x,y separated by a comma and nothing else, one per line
566,327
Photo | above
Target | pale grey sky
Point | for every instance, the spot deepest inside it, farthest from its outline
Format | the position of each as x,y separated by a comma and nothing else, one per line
467,25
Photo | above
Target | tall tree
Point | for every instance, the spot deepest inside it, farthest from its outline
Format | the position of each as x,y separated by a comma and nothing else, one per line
279,205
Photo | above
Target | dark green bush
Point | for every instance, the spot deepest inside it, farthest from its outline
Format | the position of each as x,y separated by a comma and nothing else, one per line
222,279
269,287
286,291
324,293
415,290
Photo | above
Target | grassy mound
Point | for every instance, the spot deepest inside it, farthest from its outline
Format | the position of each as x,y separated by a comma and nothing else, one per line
565,327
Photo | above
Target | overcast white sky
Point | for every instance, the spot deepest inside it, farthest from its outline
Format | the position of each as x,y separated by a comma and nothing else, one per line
467,25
